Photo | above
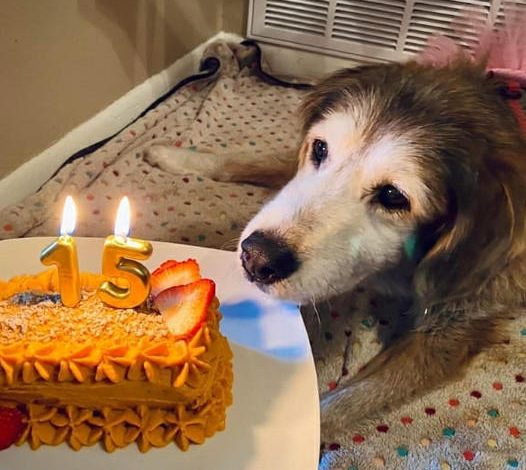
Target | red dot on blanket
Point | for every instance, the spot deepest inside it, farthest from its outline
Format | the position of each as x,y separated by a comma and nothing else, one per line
519,378
186,180
497,385
178,143
514,431
90,197
334,446
406,420
332,385
382,428
469,455
358,438
335,314
8,228
430,411
453,402
476,394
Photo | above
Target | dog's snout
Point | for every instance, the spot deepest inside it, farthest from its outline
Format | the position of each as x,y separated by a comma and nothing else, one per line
266,258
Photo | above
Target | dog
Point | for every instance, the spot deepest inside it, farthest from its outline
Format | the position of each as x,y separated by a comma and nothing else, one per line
412,178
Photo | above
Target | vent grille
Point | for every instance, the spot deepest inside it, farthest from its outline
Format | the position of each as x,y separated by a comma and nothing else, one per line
511,7
376,23
376,30
444,17
303,16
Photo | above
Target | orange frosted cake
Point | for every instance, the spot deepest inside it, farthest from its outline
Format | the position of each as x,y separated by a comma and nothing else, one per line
93,373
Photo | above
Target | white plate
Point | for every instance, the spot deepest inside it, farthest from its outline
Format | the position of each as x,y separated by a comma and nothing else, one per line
274,421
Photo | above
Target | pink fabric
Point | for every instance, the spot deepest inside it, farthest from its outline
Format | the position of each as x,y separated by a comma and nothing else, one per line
503,50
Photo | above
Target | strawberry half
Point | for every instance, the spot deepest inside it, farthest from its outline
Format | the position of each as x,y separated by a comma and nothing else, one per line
11,426
174,273
184,308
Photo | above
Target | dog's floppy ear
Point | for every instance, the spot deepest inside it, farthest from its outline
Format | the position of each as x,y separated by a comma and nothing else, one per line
484,229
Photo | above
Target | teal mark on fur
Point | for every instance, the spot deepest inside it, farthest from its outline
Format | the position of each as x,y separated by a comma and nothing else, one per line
410,246
523,332
448,432
513,463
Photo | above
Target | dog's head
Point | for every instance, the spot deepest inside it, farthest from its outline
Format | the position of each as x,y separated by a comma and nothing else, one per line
400,164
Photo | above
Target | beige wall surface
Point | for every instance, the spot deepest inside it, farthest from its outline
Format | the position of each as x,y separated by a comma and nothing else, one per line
62,61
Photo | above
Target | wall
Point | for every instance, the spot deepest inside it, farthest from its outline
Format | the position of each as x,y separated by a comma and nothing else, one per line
64,60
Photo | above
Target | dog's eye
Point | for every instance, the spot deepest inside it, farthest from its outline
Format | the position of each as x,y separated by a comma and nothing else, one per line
320,150
392,199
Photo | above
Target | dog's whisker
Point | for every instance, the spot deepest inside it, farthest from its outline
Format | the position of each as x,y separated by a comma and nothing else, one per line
315,308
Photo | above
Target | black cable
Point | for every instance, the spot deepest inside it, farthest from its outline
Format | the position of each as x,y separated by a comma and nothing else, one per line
208,67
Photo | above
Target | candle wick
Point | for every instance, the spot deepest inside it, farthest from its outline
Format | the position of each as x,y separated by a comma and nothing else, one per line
122,238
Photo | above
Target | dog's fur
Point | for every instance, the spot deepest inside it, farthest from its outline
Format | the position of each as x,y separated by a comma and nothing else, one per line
449,142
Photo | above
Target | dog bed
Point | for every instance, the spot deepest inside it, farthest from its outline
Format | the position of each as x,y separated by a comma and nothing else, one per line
479,422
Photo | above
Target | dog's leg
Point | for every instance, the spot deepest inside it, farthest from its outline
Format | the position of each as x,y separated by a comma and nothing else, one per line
415,363
261,169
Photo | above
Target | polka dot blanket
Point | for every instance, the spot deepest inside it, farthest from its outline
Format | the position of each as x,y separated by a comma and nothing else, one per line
475,423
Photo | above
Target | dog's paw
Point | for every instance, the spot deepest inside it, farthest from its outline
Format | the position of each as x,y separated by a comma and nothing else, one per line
164,157
180,161
172,160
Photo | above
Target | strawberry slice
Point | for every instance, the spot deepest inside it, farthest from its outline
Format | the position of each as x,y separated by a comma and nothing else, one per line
11,426
184,308
174,273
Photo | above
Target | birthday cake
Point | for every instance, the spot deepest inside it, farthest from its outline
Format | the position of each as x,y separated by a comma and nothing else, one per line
154,375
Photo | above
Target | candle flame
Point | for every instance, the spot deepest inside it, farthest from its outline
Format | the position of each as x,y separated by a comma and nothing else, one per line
122,221
69,217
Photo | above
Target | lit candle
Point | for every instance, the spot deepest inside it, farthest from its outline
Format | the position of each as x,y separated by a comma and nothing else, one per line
63,254
128,283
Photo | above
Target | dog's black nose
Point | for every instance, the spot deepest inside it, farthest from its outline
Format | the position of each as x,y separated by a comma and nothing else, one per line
266,258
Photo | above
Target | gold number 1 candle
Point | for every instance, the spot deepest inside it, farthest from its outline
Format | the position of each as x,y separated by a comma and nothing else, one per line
128,283
63,254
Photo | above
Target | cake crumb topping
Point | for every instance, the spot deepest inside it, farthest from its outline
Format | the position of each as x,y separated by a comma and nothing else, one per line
47,321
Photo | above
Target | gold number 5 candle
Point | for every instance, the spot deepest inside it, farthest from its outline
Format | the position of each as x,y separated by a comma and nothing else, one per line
63,254
128,283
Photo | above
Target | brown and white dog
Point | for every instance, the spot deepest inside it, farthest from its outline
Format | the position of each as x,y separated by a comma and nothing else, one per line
414,178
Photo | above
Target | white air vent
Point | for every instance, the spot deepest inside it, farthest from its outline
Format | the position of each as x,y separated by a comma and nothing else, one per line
303,16
376,23
376,30
511,7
